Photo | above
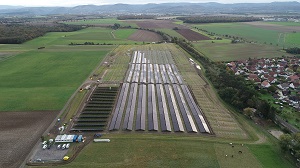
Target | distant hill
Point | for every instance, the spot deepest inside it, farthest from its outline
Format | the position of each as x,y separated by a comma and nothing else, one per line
164,8
9,7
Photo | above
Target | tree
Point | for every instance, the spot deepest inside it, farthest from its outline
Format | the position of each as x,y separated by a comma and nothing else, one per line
285,142
272,89
248,112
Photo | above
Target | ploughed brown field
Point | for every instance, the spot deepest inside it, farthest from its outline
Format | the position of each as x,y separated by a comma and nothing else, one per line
157,24
191,35
144,35
19,133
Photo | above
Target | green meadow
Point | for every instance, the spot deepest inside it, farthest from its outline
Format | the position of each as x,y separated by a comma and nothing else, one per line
285,23
152,150
92,34
248,32
293,39
226,51
45,79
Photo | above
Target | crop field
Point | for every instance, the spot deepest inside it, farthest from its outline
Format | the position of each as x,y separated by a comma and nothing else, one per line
156,24
146,36
100,22
93,34
33,84
192,35
240,51
171,32
277,27
259,32
285,23
293,39
19,133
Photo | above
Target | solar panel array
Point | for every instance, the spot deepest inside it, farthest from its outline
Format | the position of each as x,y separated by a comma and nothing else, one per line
154,97
96,111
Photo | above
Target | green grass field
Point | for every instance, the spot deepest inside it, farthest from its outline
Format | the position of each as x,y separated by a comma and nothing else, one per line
171,32
92,34
44,80
240,51
285,23
152,150
250,33
293,39
267,156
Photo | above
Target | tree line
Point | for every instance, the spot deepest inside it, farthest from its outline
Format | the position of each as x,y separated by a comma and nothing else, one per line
294,50
217,19
20,33
127,17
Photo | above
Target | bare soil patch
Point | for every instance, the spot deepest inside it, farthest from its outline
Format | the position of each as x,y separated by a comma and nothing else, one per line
191,35
276,133
19,133
280,28
144,35
157,24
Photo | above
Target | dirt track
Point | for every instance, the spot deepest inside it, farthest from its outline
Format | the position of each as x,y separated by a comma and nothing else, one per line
19,133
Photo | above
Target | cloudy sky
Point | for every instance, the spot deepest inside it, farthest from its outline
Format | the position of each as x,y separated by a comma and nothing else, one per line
103,2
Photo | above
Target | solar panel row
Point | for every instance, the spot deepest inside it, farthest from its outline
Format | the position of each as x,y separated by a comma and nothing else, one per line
155,93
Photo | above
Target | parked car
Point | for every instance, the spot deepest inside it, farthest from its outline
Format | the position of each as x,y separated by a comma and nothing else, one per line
44,146
59,146
68,145
63,146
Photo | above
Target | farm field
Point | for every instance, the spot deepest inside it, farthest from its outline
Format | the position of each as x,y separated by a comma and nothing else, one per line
146,36
44,80
92,34
33,85
150,150
128,149
100,22
240,51
285,23
293,38
259,32
192,35
156,24
19,133
171,32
